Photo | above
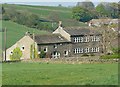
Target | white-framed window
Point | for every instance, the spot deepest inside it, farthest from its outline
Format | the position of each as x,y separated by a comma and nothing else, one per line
81,39
78,39
11,52
66,52
74,39
92,49
95,49
45,49
23,48
39,52
86,50
78,50
81,50
97,38
86,39
75,50
93,38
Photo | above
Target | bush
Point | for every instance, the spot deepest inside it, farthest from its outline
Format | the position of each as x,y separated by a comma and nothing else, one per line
116,50
85,54
16,55
42,54
113,56
92,54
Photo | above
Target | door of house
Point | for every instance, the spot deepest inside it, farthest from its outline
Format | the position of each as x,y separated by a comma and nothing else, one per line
55,54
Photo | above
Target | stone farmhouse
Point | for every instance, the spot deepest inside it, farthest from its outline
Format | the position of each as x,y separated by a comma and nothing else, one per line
63,42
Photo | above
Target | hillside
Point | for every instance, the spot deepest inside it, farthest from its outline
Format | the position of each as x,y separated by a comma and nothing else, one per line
16,31
48,13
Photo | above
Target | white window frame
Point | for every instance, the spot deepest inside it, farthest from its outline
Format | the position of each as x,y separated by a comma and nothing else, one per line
87,50
45,49
93,38
86,39
66,52
11,52
81,50
75,39
81,39
97,38
22,48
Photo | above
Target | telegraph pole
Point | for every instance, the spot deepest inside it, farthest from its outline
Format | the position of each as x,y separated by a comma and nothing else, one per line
5,42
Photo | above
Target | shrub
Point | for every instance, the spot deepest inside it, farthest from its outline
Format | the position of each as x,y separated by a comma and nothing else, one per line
16,55
42,54
85,54
116,50
113,56
92,54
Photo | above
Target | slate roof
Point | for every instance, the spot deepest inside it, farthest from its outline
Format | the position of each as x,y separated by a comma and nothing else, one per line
80,30
47,39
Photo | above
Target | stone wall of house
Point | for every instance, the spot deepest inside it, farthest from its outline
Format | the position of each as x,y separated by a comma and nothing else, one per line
59,47
24,44
90,44
63,33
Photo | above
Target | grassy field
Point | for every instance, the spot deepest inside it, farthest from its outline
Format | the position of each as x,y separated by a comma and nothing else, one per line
63,13
16,31
59,74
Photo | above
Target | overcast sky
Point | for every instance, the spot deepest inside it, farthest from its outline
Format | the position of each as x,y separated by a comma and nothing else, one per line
53,2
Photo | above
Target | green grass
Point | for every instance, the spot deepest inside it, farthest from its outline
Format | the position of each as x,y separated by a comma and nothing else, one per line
42,11
64,13
16,31
112,56
59,74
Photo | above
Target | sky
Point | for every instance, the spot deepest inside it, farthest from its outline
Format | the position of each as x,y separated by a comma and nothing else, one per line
53,2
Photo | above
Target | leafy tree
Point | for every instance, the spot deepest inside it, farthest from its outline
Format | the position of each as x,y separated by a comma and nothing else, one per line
108,10
17,54
82,14
114,10
101,9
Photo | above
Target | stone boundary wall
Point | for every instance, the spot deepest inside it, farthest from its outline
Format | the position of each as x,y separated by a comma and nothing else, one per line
73,60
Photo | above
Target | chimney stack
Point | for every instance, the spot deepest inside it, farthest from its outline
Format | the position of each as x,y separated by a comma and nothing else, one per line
60,23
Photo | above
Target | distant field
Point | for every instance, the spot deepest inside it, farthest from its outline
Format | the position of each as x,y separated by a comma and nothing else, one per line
16,31
64,13
59,74
42,11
